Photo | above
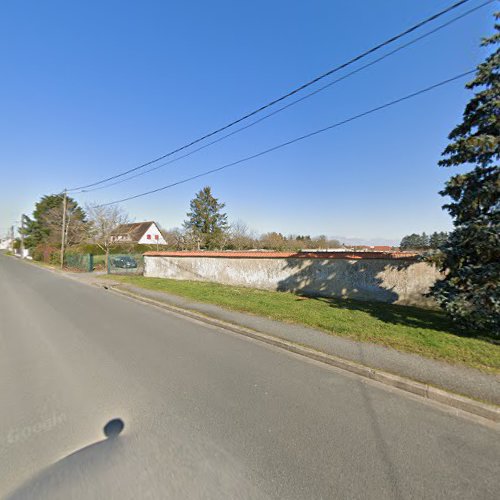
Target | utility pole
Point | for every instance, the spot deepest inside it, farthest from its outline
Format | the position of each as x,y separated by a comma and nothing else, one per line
22,236
63,232
12,239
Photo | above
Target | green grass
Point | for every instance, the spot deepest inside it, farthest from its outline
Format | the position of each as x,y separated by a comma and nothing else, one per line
410,329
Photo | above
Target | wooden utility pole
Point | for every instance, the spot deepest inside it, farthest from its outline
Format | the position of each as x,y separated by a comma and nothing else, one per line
63,232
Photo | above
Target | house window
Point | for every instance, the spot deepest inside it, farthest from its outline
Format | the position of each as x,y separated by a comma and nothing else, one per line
156,237
148,236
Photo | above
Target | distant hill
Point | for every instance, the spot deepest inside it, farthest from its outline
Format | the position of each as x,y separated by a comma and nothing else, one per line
368,242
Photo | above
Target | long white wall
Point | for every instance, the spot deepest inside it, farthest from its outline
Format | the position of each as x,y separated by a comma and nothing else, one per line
386,280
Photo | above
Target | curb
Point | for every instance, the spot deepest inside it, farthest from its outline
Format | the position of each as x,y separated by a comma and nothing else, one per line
462,403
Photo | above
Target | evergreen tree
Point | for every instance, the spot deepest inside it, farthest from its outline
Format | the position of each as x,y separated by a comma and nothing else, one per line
46,224
424,240
414,242
206,223
470,292
437,239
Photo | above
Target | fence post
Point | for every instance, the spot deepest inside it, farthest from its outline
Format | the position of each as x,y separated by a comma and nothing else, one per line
91,263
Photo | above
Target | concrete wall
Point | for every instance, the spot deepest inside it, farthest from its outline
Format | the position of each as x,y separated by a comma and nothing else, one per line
385,280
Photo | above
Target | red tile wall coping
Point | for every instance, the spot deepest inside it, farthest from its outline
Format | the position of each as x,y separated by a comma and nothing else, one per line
288,255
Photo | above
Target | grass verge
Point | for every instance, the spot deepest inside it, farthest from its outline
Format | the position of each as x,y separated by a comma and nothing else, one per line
410,329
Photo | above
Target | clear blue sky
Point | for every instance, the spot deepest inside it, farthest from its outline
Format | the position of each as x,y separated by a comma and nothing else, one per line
91,88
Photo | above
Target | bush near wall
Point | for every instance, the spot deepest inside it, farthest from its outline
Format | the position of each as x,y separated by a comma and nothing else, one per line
47,254
127,248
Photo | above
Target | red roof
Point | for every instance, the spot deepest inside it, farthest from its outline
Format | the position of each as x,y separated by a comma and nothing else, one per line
382,248
286,255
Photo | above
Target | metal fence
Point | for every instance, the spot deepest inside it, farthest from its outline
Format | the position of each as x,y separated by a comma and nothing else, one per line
79,261
126,264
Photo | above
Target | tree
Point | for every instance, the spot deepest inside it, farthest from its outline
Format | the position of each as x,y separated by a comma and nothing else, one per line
305,238
437,239
176,239
414,242
334,244
322,241
240,236
45,226
470,291
424,241
206,223
409,242
102,223
273,241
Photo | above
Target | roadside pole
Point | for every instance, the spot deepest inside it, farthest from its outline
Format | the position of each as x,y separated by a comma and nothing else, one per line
12,233
63,232
22,236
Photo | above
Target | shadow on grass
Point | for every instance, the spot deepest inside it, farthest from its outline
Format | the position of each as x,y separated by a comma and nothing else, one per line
360,286
410,316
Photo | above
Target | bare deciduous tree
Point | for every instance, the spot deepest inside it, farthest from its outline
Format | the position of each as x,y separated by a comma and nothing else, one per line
75,226
175,239
240,237
102,222
273,241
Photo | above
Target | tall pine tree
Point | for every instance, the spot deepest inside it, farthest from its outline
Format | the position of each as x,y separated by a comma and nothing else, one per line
470,292
206,223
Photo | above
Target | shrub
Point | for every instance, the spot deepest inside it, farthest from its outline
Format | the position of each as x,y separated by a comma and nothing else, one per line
46,253
124,248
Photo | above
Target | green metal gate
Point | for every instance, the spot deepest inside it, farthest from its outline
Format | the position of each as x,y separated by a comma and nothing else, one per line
79,261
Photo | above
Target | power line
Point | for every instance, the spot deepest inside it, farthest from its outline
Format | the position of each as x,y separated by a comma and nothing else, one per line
285,96
307,96
297,139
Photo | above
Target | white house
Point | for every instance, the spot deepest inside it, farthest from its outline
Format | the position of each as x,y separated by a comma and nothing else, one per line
145,233
6,243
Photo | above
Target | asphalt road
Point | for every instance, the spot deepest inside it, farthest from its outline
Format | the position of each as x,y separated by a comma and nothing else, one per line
207,413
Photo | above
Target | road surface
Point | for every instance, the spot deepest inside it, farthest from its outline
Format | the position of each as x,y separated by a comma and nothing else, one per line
207,413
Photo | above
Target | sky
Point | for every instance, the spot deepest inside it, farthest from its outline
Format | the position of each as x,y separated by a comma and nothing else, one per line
90,89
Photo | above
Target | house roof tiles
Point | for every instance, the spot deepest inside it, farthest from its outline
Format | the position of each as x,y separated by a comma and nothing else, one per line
135,230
